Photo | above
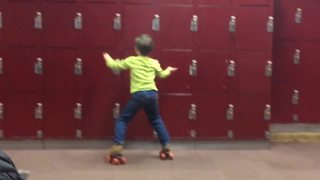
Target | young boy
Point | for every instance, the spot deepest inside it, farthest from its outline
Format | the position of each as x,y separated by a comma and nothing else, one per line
143,71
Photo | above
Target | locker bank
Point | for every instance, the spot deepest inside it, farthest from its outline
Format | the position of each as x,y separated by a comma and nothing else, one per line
249,71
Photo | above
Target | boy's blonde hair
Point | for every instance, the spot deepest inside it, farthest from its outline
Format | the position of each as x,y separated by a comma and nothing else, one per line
144,44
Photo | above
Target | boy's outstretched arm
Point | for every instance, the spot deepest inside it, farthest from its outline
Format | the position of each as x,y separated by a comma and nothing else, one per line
116,64
165,73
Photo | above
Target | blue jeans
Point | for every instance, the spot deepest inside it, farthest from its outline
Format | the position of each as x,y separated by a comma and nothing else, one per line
148,100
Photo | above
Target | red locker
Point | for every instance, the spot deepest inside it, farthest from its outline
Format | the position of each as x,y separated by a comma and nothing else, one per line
175,27
180,81
20,119
58,73
212,74
282,108
285,68
253,2
249,122
19,70
19,23
98,28
59,29
133,27
251,28
211,119
175,114
250,73
294,24
213,28
309,69
59,122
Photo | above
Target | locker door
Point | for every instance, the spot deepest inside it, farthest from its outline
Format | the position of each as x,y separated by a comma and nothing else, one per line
180,81
19,68
251,28
59,30
308,108
250,74
213,28
132,26
178,123
59,122
211,119
249,120
309,69
18,23
20,119
98,25
212,74
58,75
253,2
310,15
285,68
282,108
175,27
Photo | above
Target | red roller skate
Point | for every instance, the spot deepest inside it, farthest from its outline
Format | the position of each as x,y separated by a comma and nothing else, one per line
166,155
115,156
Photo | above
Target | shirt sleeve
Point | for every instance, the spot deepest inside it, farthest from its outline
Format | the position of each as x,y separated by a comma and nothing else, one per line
119,64
160,72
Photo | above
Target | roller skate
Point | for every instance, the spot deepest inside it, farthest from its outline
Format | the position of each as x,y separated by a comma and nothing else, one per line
115,156
165,153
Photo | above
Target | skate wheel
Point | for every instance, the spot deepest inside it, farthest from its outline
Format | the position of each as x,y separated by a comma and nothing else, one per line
170,156
162,156
115,161
123,160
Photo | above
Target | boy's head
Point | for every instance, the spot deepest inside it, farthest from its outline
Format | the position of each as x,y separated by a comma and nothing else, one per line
144,44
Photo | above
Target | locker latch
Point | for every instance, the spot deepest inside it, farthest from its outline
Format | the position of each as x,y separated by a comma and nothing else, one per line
230,112
39,134
270,24
38,66
268,69
231,68
232,24
1,111
38,21
297,57
78,134
1,65
194,23
298,16
230,134
156,23
295,97
193,133
117,22
78,111
39,111
295,117
78,21
1,21
193,68
116,111
78,67
193,112
267,112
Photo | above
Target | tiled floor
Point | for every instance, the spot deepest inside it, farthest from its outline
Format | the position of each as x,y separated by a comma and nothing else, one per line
279,162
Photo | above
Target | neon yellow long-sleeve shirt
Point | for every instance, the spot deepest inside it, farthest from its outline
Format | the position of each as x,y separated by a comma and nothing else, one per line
143,71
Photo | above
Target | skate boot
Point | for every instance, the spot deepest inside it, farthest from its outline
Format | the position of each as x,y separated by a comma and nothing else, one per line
165,153
115,156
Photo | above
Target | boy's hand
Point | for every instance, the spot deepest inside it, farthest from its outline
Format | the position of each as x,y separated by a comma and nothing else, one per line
172,69
106,56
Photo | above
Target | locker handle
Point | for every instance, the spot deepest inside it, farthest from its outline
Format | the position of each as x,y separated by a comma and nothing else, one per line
156,23
1,134
298,16
117,22
267,112
230,112
38,20
1,66
78,21
295,97
193,112
232,24
1,111
116,111
78,67
231,71
193,68
297,57
270,24
1,20
39,111
78,111
268,69
193,133
38,66
39,134
230,134
194,23
78,134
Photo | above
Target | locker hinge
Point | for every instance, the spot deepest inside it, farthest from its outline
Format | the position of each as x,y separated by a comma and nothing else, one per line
295,117
270,24
267,112
231,72
193,112
298,16
78,21
156,23
39,134
297,57
78,67
230,134
193,68
117,22
78,134
230,112
116,111
268,69
38,114
38,66
1,134
194,23
1,20
295,97
1,66
78,111
1,111
193,133
38,21
232,24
